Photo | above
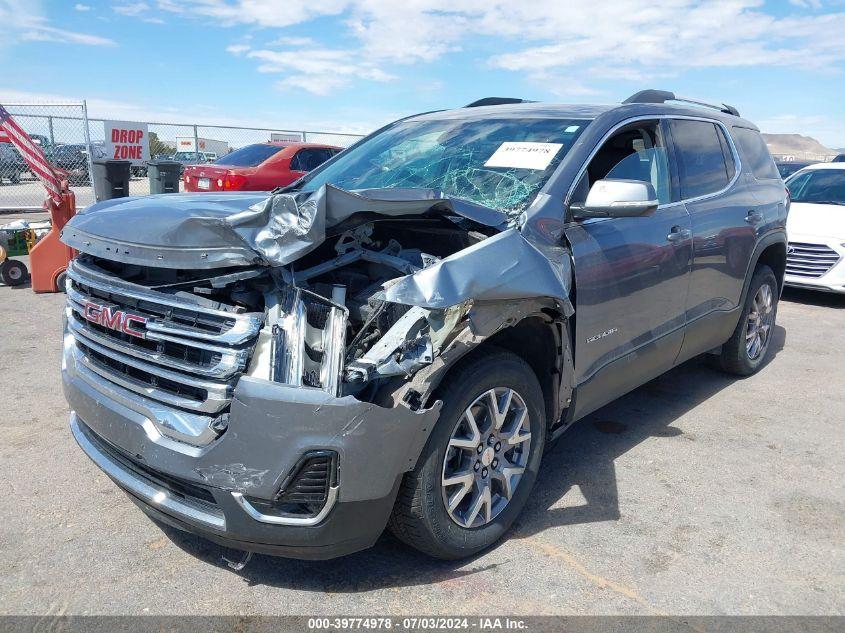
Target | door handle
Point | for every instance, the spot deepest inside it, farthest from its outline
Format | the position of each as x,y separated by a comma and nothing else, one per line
754,217
678,234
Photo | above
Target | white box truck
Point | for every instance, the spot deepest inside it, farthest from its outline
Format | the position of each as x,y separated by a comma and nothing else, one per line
206,145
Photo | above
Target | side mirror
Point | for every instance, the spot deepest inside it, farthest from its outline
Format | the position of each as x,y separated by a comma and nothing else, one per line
618,199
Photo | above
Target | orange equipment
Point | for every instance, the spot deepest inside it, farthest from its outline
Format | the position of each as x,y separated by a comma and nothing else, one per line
49,258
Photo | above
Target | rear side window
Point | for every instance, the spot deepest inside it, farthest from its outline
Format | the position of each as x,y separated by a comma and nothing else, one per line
249,156
727,153
308,159
755,154
701,160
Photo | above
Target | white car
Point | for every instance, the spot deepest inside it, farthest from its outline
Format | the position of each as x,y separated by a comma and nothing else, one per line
815,256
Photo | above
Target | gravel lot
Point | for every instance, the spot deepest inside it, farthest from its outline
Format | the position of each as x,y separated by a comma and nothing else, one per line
695,494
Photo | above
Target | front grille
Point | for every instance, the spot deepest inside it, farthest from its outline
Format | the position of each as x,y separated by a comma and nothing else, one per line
188,356
810,260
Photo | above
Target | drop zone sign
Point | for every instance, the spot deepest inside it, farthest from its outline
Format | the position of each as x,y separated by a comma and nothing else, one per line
126,140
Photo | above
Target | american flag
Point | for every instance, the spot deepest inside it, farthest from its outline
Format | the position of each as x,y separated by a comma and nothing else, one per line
11,132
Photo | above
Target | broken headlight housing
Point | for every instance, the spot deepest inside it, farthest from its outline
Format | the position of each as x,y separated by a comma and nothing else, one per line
307,338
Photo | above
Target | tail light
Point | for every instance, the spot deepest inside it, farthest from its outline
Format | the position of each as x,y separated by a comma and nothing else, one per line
233,182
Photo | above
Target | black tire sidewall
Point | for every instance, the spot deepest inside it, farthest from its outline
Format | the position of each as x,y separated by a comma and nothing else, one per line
762,276
495,370
7,275
60,281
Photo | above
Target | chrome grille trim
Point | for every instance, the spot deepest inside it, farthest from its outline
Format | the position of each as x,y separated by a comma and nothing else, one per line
187,366
810,260
243,327
218,394
231,361
175,429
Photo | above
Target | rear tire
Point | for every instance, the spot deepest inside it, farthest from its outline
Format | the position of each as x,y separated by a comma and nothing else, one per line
496,491
746,350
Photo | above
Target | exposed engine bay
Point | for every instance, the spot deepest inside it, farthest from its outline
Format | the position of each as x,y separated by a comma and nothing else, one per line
327,322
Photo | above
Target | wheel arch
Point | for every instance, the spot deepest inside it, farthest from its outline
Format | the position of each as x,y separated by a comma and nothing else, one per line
770,250
542,340
774,256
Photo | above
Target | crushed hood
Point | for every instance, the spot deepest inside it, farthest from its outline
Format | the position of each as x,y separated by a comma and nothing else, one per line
205,230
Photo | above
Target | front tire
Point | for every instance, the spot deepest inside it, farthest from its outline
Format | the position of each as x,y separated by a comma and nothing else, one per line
477,469
746,350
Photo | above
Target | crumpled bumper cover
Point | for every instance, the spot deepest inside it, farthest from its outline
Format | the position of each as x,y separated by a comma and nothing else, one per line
270,427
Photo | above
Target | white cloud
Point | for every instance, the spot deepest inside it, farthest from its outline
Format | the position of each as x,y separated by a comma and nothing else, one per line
134,9
23,20
81,7
321,85
138,10
291,41
676,36
320,71
237,49
628,38
265,13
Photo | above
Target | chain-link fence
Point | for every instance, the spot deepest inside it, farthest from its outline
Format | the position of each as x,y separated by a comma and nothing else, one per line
61,132
71,141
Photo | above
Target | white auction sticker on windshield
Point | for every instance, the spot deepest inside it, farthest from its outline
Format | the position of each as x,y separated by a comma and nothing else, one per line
524,155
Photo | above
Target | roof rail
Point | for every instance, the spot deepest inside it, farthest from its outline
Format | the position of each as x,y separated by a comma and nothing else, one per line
662,96
488,101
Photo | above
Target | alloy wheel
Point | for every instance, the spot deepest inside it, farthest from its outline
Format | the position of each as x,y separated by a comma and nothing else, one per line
486,457
758,326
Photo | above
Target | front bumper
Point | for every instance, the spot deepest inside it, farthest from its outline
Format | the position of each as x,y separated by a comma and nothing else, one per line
833,280
207,489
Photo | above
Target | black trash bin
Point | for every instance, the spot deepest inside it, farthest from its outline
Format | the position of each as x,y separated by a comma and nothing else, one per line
111,179
164,176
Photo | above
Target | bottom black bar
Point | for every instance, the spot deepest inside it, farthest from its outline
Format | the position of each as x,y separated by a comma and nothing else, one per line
403,624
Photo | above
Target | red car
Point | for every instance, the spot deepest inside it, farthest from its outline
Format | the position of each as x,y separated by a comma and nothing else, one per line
259,167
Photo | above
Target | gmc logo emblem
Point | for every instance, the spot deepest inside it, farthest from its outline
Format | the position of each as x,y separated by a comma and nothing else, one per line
114,319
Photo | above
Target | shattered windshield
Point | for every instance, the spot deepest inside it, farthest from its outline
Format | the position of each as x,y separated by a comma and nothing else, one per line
498,163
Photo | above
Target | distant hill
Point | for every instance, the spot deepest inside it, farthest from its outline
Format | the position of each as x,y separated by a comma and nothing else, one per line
798,146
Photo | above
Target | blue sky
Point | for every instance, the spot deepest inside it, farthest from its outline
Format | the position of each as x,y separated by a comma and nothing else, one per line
351,65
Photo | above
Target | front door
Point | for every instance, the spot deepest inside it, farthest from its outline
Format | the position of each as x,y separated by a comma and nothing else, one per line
631,274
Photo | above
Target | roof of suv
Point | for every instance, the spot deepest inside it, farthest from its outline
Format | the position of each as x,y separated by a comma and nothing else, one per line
569,111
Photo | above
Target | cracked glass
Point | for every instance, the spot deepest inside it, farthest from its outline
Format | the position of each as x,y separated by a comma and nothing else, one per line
449,155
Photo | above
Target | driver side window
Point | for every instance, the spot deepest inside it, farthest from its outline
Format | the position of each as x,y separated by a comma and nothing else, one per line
636,152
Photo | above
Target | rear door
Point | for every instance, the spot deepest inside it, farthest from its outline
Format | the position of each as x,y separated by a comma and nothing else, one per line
725,221
762,177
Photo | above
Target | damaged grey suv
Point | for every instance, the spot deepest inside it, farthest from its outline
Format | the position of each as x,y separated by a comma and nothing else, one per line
393,340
